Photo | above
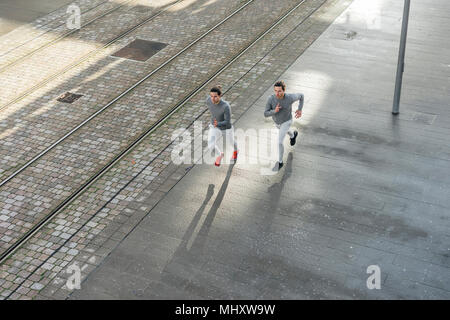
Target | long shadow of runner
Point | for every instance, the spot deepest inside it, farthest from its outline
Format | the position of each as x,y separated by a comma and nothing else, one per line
274,194
190,256
276,189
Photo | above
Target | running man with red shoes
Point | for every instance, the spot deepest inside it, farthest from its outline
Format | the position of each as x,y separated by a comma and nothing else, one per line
220,124
279,107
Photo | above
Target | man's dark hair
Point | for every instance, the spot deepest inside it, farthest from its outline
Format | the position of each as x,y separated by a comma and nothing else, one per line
217,89
280,84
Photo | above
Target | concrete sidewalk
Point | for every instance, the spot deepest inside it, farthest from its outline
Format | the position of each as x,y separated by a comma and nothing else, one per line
14,13
360,187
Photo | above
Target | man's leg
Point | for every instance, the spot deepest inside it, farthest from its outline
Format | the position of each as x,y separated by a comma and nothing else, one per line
283,130
229,133
230,138
293,135
290,134
213,136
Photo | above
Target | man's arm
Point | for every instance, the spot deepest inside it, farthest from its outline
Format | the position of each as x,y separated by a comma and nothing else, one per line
268,112
227,118
207,102
298,97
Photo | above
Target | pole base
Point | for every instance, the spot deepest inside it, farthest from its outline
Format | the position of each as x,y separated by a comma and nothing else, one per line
395,113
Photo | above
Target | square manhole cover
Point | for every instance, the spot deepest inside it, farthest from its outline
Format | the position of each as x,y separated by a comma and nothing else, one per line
69,97
424,118
140,50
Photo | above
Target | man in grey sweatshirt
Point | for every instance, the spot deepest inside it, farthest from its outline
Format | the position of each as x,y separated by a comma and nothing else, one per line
279,107
220,123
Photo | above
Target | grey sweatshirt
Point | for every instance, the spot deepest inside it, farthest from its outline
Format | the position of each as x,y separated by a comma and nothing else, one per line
221,112
285,113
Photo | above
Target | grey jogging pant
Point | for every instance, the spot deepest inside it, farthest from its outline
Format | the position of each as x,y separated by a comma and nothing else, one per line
283,130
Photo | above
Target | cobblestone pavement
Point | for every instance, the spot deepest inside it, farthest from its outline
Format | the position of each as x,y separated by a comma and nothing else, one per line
29,38
107,212
31,195
54,60
22,198
36,121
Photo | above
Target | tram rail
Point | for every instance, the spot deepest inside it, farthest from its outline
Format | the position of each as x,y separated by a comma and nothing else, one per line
83,58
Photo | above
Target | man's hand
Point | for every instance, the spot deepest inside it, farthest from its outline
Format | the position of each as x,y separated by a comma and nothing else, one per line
277,108
298,114
215,122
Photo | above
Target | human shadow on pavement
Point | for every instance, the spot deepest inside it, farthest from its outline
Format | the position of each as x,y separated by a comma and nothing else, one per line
191,250
274,194
276,189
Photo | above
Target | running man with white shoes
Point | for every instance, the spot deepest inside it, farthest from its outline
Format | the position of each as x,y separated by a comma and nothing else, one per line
279,107
220,124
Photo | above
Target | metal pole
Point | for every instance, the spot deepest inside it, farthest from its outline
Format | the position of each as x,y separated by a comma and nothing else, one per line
401,59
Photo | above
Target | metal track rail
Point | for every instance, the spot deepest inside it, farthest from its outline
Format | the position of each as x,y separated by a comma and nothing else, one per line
4,68
85,57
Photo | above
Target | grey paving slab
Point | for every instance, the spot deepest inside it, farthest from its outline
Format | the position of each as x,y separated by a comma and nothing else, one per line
17,13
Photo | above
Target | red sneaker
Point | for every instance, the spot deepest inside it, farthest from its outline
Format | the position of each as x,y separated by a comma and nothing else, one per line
218,160
234,157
